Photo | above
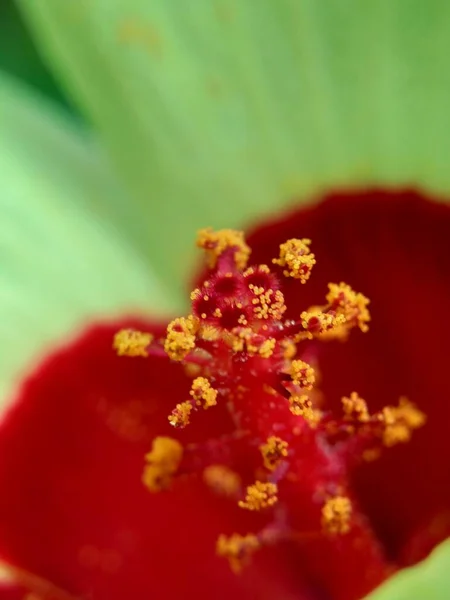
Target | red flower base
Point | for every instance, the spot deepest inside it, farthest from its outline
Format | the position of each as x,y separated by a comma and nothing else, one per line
76,520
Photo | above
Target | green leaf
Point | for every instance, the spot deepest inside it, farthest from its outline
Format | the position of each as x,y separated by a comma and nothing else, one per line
61,266
430,580
219,111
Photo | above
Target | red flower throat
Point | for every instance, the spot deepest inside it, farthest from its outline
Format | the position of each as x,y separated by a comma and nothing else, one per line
285,456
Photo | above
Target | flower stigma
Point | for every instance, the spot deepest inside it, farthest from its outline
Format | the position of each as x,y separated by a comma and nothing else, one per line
247,359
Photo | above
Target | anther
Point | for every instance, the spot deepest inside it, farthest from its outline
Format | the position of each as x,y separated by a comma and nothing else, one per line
273,452
336,515
260,495
297,259
163,461
130,342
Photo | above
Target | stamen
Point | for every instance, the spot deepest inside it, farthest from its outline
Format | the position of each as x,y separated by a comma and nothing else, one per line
237,549
201,390
301,406
296,256
222,480
216,242
400,421
336,515
130,342
302,374
355,408
163,461
180,416
352,305
180,338
260,495
273,452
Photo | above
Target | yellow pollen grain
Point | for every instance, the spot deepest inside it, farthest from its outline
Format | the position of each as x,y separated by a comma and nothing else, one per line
260,495
237,549
350,304
355,408
336,515
180,338
302,374
222,480
180,416
273,452
301,406
163,461
129,342
203,393
216,242
297,259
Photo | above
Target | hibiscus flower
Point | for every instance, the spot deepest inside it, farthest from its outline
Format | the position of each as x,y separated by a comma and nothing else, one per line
77,520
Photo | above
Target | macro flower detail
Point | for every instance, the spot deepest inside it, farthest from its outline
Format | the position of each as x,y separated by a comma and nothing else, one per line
247,357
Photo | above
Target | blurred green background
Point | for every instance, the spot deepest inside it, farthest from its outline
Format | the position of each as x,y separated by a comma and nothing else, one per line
18,55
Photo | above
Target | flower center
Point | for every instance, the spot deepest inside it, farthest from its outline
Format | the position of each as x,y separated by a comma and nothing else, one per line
241,352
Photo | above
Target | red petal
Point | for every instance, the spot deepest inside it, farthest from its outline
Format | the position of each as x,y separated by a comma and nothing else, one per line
394,247
73,509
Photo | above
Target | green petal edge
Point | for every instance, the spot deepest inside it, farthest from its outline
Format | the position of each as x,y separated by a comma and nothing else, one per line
220,111
61,266
429,580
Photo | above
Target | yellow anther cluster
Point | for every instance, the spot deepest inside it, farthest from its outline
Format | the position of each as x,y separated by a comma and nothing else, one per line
203,393
222,480
163,461
302,374
129,342
350,304
336,515
181,414
355,408
326,322
260,495
237,549
267,304
400,421
273,452
180,338
298,259
267,347
216,242
301,406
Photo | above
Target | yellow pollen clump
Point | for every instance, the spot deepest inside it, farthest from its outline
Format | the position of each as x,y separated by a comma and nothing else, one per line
350,304
336,515
180,415
216,242
222,480
267,304
129,342
296,256
260,495
267,347
201,390
163,462
237,549
273,452
326,322
289,349
180,338
355,408
302,374
301,406
400,421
